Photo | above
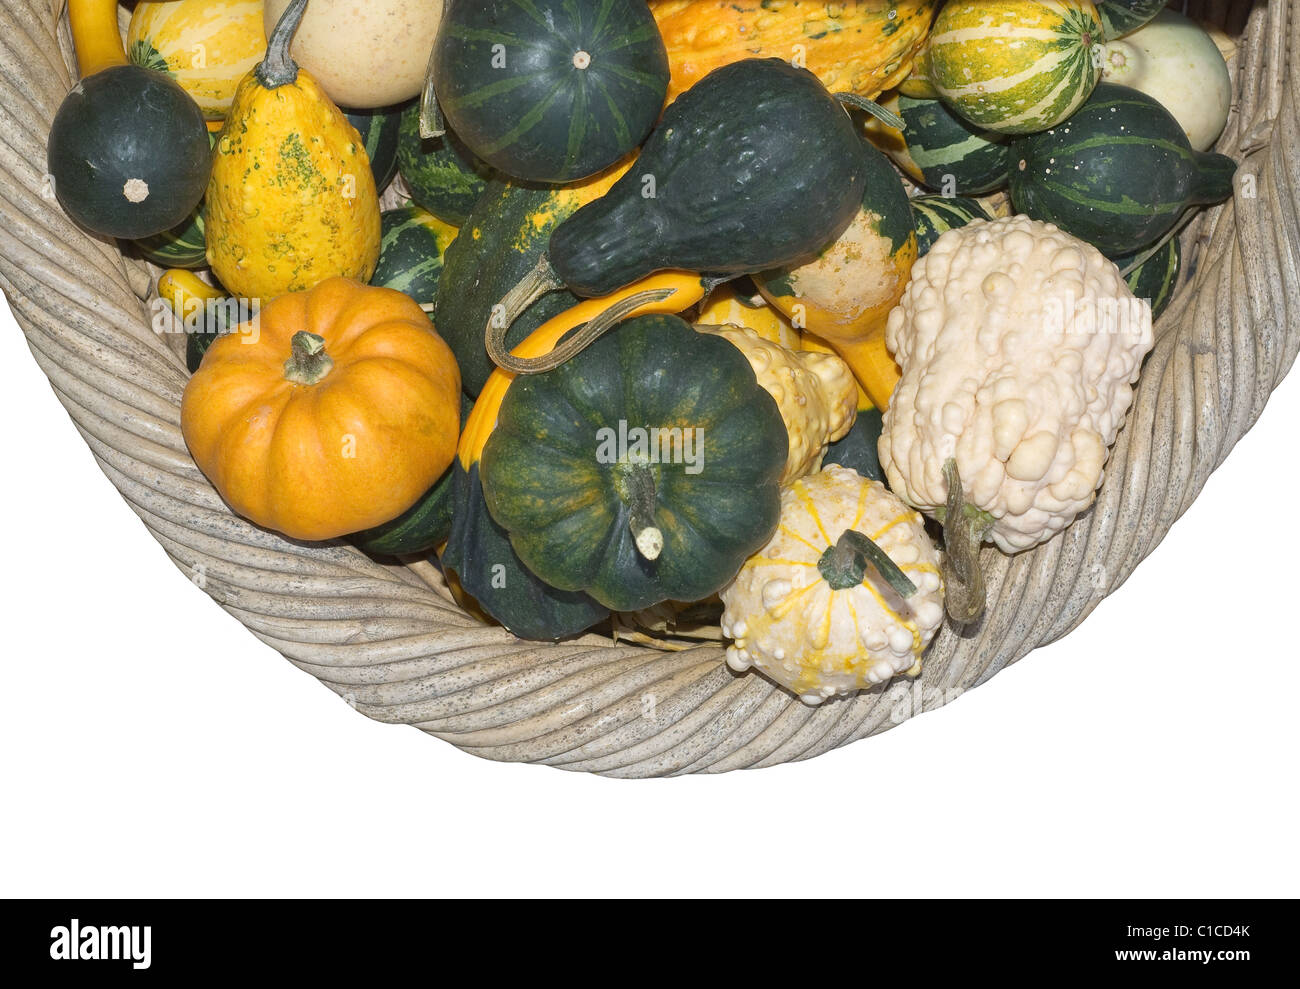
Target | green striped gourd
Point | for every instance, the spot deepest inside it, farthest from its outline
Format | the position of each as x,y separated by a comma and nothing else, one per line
1155,278
443,175
1119,174
379,131
412,244
1121,17
550,90
955,157
935,215
1016,66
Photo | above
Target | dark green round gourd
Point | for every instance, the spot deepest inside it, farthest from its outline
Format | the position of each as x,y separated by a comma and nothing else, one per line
936,215
550,90
129,153
479,552
1118,174
955,157
1155,278
756,166
443,175
412,245
596,502
858,449
379,130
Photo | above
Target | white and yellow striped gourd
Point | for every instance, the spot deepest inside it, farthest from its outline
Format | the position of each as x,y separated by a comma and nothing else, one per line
1016,66
207,46
795,611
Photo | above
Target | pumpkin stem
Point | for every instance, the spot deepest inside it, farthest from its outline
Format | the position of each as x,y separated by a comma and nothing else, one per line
278,67
635,484
309,363
964,529
844,565
886,117
573,344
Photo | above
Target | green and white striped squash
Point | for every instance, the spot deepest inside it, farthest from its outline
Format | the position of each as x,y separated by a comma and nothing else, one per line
1016,66
936,215
411,248
954,157
1155,278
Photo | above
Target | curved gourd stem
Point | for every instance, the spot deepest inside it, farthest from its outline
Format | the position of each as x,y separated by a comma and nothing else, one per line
573,345
541,280
844,565
886,117
278,67
964,529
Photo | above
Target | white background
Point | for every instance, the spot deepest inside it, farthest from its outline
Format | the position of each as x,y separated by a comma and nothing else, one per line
149,746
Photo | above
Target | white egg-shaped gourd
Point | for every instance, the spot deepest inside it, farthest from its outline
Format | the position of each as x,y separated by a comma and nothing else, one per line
364,54
1174,60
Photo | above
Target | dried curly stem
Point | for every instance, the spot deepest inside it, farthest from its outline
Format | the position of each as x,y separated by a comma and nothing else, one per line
886,117
964,529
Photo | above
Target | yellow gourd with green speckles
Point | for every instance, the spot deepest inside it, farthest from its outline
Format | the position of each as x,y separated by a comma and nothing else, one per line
292,200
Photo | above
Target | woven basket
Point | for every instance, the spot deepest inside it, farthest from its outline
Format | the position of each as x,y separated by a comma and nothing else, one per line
390,640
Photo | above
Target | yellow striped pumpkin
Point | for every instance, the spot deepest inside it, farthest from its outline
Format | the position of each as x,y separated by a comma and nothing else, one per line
1016,66
207,46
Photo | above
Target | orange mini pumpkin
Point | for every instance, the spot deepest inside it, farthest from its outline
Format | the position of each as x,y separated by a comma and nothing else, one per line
332,414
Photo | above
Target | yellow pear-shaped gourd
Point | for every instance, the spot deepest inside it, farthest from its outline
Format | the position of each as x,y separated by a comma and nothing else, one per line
292,200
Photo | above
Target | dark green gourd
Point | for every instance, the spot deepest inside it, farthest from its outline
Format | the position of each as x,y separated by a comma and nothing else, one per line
1118,174
550,90
754,167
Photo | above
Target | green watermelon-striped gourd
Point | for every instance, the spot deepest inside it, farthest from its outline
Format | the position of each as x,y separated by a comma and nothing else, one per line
1119,174
1016,66
1156,277
936,215
412,244
379,130
550,90
954,157
442,174
1121,17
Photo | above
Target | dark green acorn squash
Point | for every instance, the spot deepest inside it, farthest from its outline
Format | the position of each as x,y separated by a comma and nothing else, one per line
643,470
1118,174
550,90
756,166
443,175
955,157
380,131
858,449
412,245
129,153
936,215
480,554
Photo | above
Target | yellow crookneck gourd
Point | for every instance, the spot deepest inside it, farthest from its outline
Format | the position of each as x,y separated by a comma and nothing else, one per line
292,200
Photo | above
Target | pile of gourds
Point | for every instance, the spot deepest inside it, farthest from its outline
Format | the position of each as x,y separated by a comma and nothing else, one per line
631,337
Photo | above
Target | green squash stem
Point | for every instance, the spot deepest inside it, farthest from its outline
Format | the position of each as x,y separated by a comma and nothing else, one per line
844,565
309,363
278,67
573,344
635,484
886,117
964,529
